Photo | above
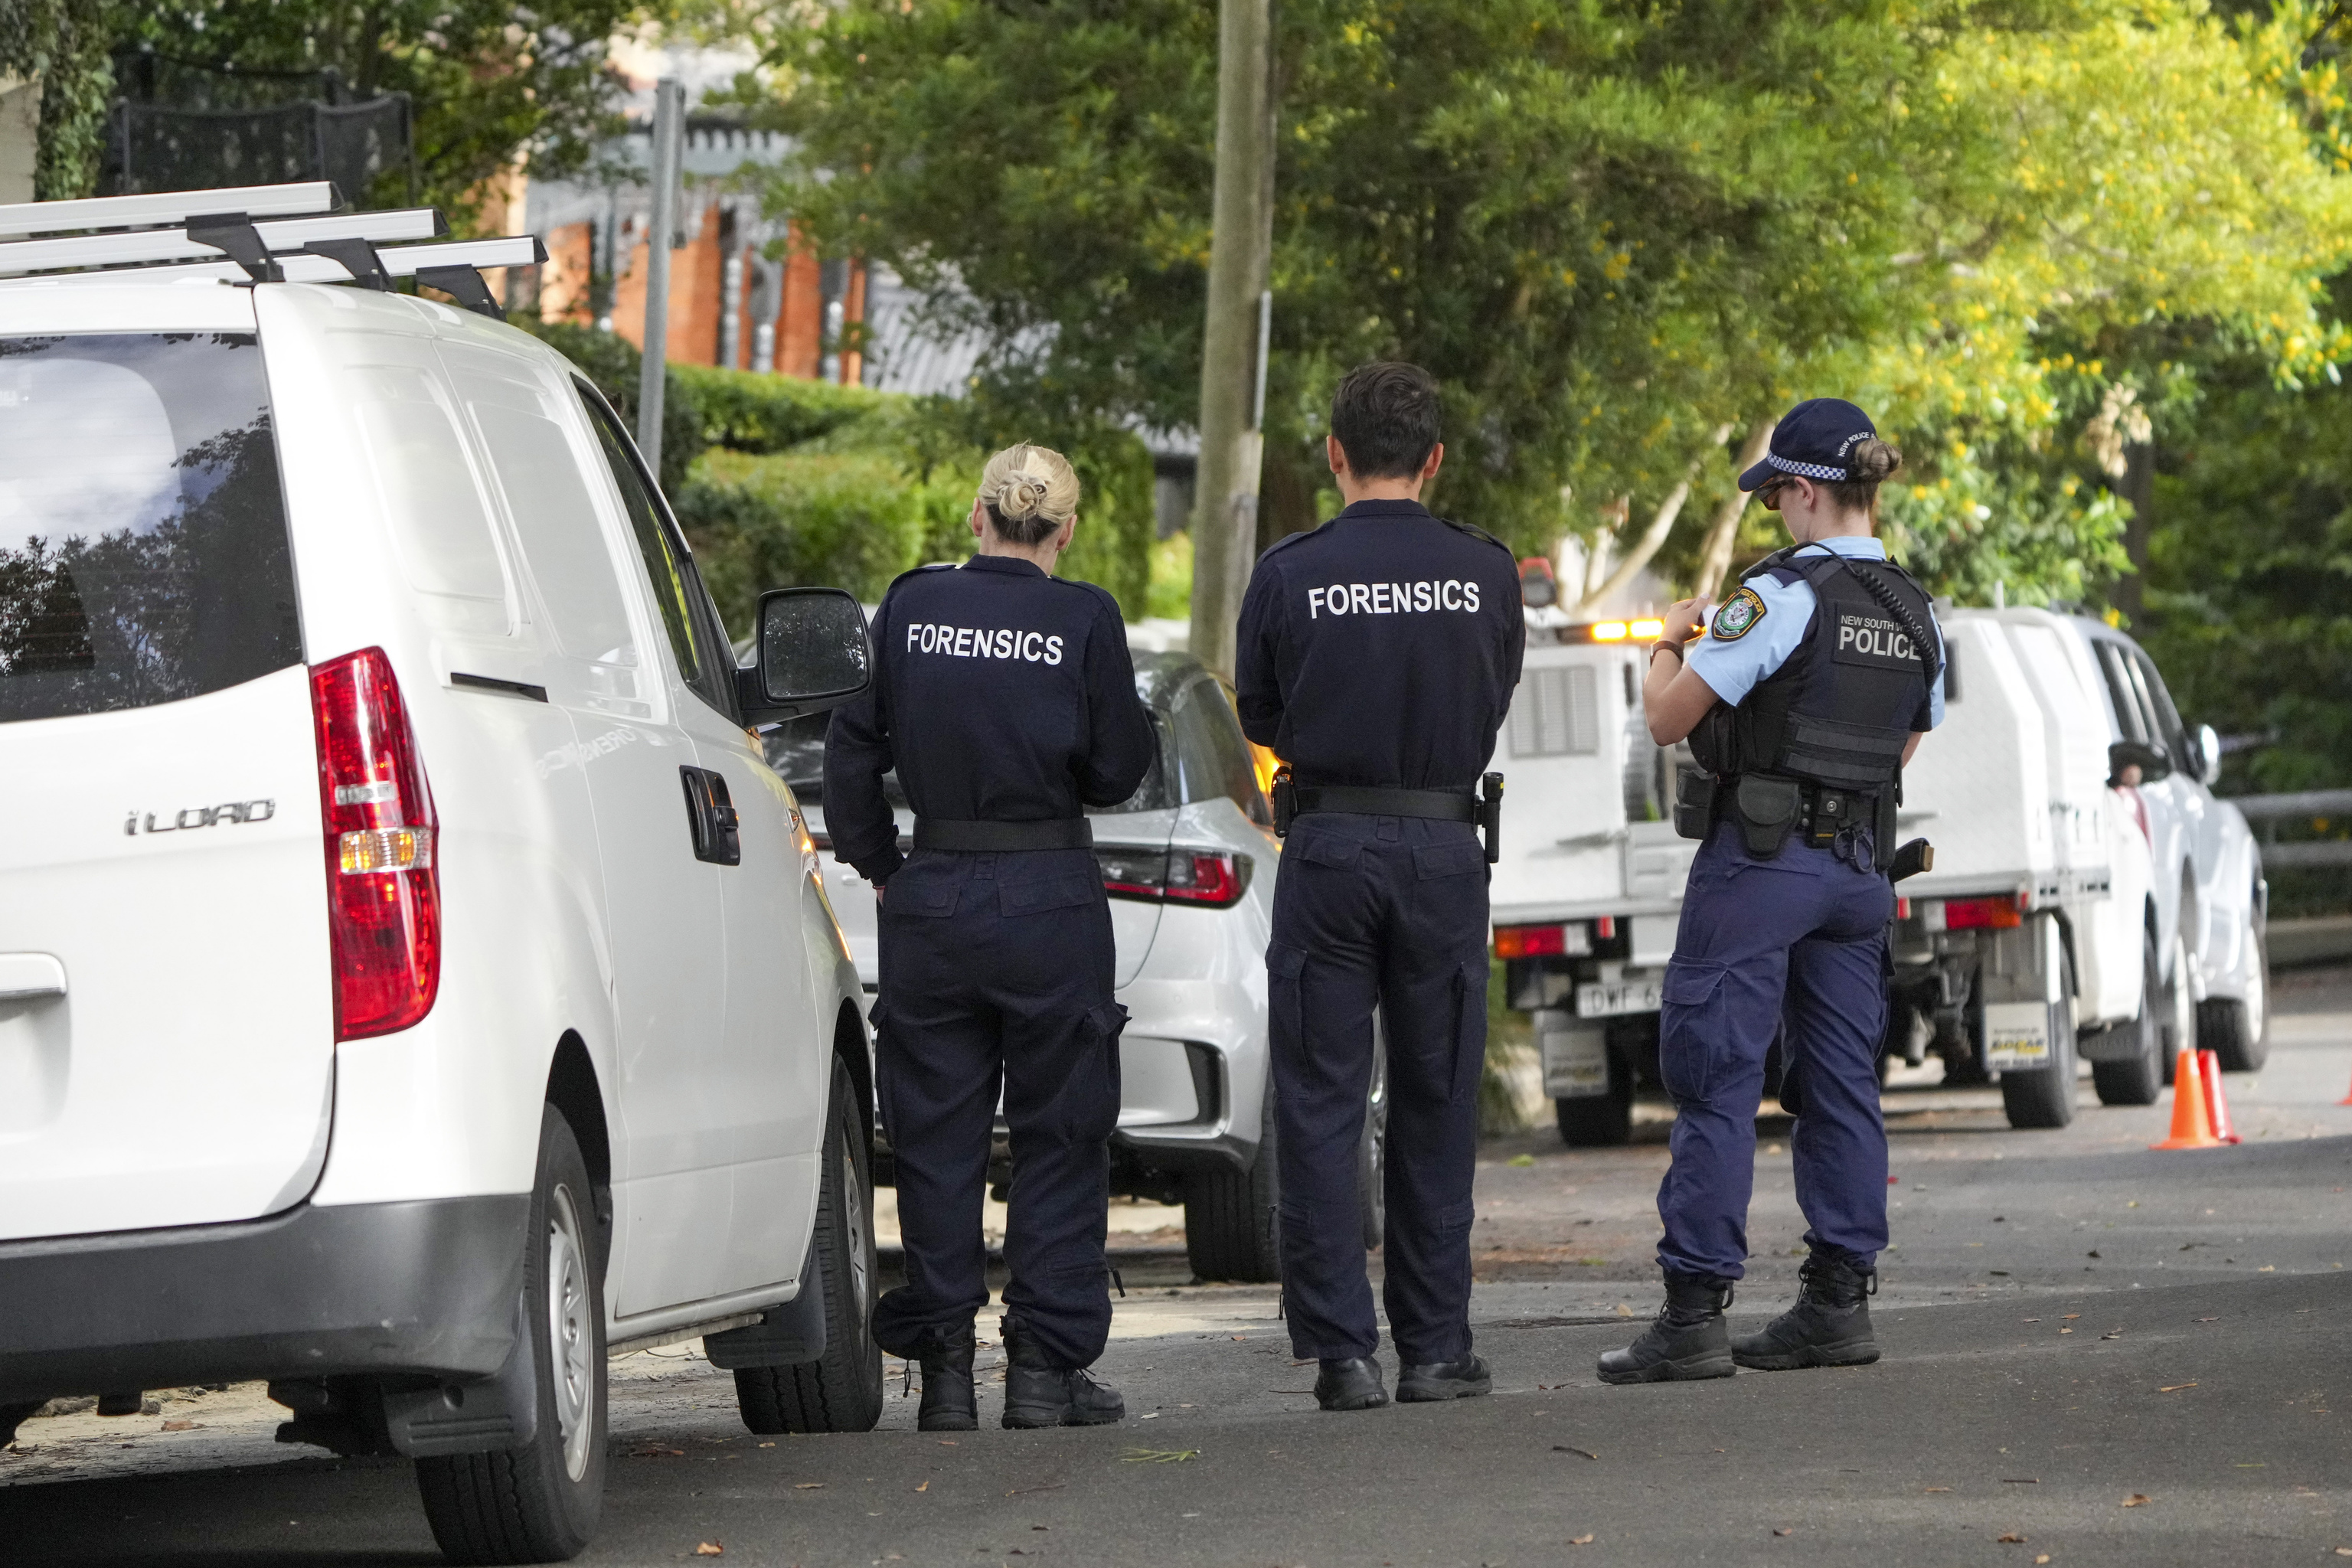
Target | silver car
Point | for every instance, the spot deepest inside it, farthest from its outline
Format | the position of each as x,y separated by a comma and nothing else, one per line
1188,862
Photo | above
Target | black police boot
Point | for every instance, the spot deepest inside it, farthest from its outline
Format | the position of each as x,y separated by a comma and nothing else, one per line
948,1404
1828,1326
1464,1379
1352,1382
1037,1393
1688,1339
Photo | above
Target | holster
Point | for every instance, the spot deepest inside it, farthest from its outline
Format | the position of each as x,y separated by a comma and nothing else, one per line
1490,815
1286,801
1766,808
1694,795
1884,828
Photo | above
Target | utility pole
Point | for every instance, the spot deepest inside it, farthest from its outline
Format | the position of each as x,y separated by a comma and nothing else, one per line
661,236
1232,397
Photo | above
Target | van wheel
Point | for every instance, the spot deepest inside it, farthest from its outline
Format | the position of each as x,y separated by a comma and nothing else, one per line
2238,1030
14,1416
1600,1120
2044,1097
842,1390
540,1503
2141,1080
1229,1231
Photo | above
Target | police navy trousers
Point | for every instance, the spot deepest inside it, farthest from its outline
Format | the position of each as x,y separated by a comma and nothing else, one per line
1389,911
1801,938
999,967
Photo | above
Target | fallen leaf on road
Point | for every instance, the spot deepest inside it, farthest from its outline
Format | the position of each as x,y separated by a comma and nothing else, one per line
2113,1334
767,1445
2068,1317
2209,1320
2033,1320
2065,1330
808,1486
1159,1455
179,1425
924,1487
2043,1558
2093,1253
2012,1538
2174,1387
1623,1311
2267,1268
1564,1449
2021,1481
710,1549
657,1453
1580,1541
2137,1499
2344,1551
1939,1489
1780,1532
1240,1337
1048,1487
1521,1160
944,1443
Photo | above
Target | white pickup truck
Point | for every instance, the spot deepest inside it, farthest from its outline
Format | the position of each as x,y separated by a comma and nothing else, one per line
2065,918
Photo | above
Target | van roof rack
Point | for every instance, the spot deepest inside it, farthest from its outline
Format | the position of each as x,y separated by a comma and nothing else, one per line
248,234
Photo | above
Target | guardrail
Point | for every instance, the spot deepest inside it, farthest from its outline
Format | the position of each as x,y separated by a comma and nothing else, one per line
2311,804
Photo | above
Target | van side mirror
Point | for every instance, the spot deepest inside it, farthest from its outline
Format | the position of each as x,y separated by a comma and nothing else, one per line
2152,764
811,654
2208,755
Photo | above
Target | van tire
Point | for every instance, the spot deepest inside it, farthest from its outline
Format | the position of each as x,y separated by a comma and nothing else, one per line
841,1391
540,1503
2043,1097
1230,1229
2139,1080
2239,1030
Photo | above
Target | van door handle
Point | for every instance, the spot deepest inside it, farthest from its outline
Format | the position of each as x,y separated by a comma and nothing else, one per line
711,817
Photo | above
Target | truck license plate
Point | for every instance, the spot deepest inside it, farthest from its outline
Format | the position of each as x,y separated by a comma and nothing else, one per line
1608,998
2017,1035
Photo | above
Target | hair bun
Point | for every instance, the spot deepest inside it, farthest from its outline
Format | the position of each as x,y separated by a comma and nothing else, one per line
1022,495
1874,460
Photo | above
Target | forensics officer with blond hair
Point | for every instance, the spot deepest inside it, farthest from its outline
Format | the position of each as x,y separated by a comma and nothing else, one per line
1005,699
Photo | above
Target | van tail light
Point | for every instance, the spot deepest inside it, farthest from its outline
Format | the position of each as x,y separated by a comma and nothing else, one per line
1214,879
2003,914
384,895
1570,940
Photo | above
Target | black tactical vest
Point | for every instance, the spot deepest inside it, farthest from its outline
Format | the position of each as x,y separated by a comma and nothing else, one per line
1842,707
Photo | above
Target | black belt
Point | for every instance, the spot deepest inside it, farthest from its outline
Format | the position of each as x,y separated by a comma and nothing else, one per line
1003,837
1436,804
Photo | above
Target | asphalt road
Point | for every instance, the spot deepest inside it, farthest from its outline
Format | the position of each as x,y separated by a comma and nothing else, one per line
2109,1355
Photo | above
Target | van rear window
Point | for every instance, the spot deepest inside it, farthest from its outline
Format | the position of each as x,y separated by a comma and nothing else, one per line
143,555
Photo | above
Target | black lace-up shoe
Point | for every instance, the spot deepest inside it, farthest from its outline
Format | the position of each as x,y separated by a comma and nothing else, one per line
949,1403
1350,1384
1464,1379
1828,1326
1039,1393
1687,1340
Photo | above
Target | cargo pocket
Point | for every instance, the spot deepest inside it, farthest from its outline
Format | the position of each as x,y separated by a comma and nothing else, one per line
1286,968
1105,1023
1691,1028
1469,1026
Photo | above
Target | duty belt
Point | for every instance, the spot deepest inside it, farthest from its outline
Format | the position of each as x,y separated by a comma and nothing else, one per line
1003,837
1437,805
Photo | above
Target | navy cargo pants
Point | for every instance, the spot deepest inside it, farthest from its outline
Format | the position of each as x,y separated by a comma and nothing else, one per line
1389,911
1799,937
999,966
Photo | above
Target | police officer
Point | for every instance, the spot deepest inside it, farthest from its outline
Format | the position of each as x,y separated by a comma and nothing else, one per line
1005,699
1377,657
1808,692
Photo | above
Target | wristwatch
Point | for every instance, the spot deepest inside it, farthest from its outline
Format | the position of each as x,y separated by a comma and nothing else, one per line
1666,643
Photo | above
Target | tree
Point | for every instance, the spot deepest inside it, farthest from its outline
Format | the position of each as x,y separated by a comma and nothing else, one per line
1610,230
63,43
492,82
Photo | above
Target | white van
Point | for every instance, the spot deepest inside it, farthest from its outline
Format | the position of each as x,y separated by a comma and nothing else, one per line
415,986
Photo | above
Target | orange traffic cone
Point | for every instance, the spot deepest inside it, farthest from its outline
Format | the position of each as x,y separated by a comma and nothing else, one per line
2190,1127
2345,1101
2216,1104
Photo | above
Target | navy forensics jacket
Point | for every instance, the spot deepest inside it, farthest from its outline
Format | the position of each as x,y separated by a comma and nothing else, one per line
1382,649
1000,694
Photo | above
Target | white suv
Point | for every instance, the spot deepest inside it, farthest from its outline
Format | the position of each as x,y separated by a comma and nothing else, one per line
414,984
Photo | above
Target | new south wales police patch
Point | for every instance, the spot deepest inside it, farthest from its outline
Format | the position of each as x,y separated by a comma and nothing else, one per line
1738,616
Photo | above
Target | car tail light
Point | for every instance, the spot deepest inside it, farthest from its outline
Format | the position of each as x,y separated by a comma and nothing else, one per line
383,894
1215,879
2002,913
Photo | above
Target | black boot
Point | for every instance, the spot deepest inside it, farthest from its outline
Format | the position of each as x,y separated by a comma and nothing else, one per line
1828,1326
1687,1338
1351,1383
1464,1379
949,1403
1038,1393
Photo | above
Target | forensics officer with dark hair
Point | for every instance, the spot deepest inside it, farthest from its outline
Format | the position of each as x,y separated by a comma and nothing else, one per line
1809,691
1377,658
1005,699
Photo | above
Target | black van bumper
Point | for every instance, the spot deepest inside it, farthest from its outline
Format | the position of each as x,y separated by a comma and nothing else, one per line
425,1287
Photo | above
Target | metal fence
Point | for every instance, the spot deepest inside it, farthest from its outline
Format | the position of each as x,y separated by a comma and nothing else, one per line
2324,811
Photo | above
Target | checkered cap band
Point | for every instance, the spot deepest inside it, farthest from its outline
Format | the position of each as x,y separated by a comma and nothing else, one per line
1807,471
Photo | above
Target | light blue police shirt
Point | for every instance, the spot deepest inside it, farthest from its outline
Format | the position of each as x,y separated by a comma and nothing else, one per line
1732,668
